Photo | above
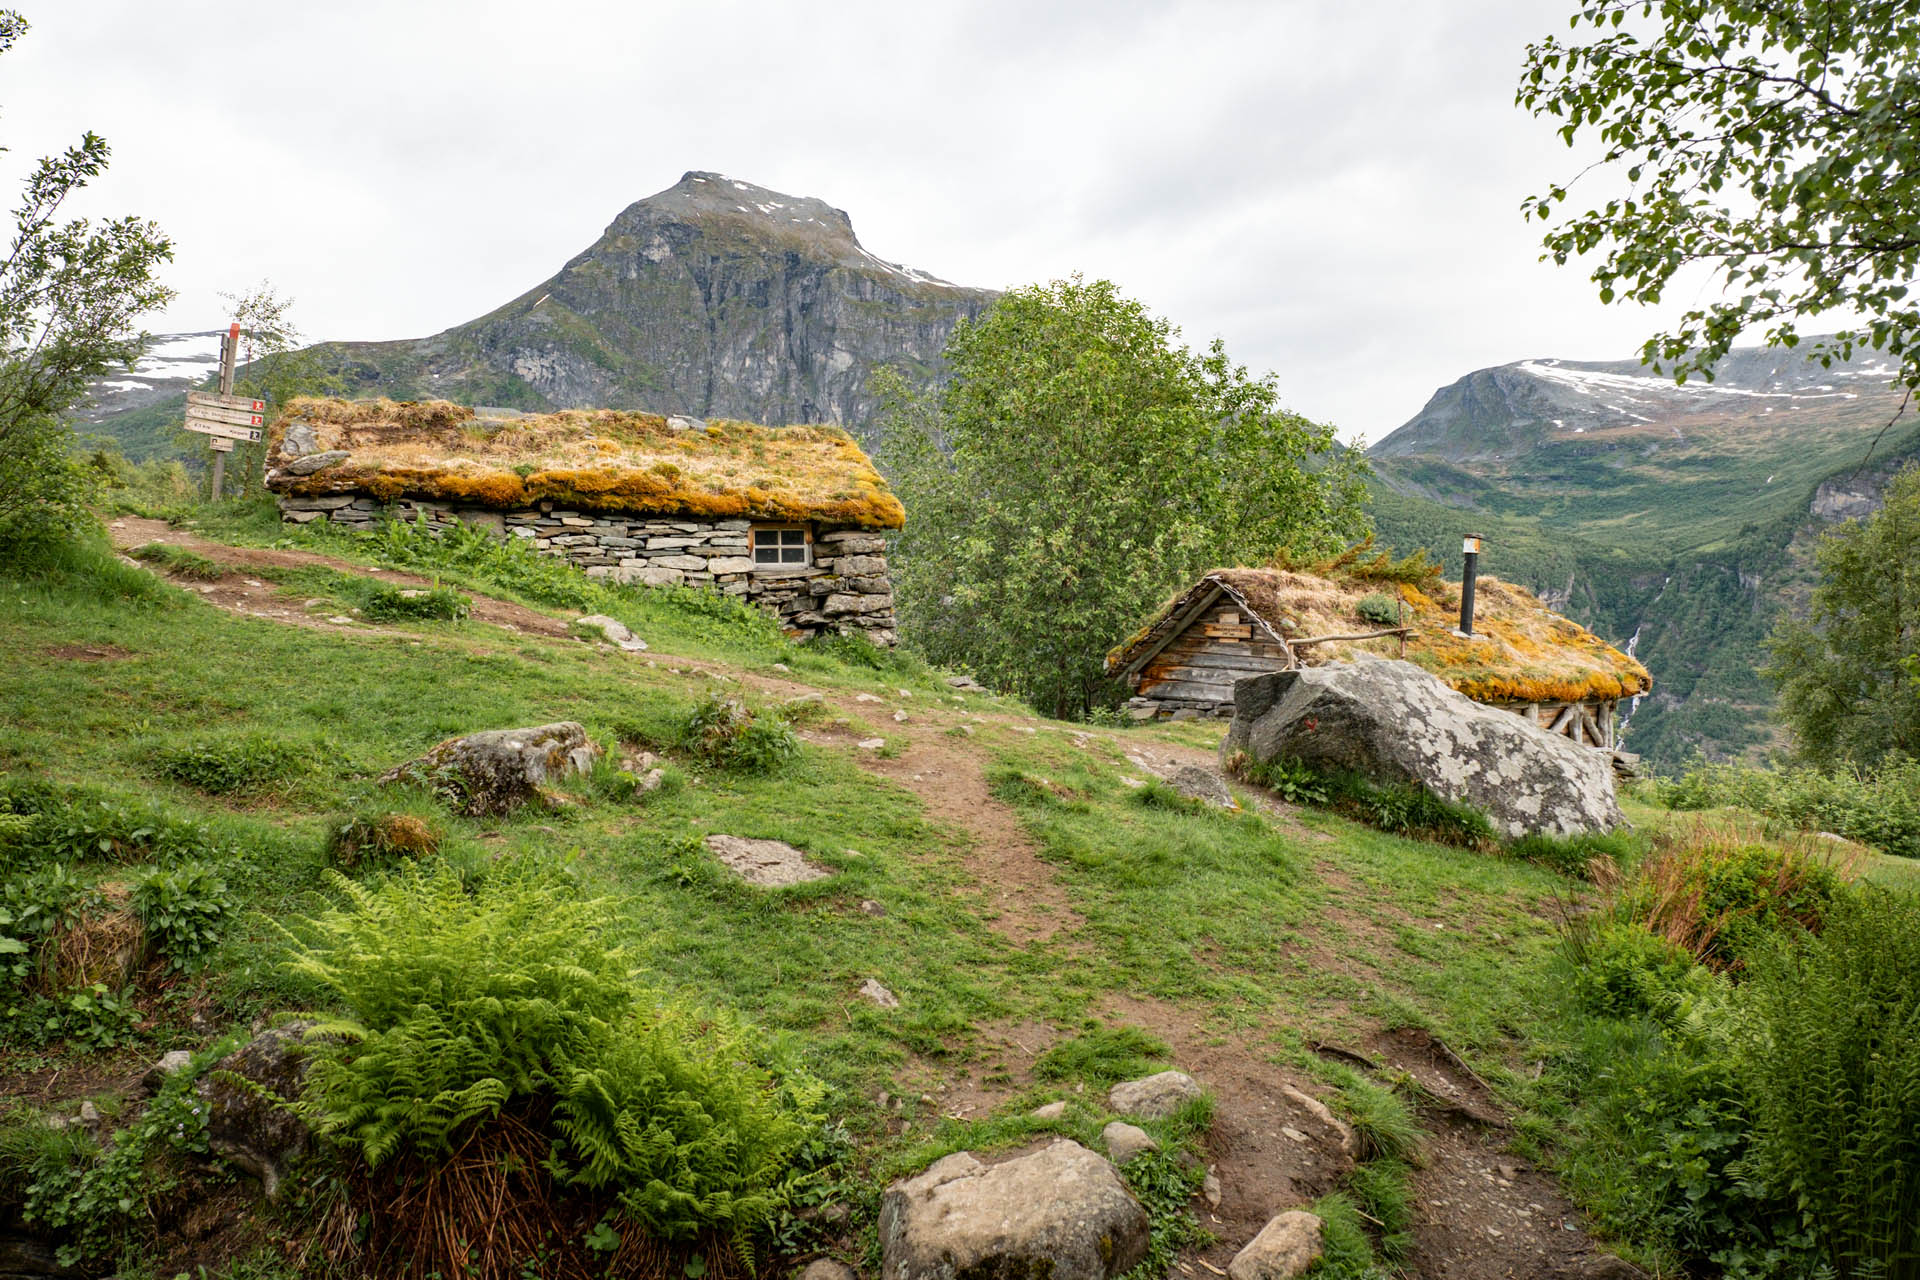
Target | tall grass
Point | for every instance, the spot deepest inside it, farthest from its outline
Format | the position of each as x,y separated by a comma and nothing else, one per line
1880,807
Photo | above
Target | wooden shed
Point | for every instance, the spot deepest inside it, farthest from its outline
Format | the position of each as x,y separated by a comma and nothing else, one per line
1235,623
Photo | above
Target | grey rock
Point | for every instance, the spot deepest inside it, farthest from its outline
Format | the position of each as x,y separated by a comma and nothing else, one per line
171,1063
1285,1248
250,1123
649,575
1606,1266
840,604
612,630
324,502
1155,1097
966,684
1393,722
298,440
853,542
768,863
1124,1141
828,1269
314,462
1319,1110
1062,1213
497,771
1205,785
872,990
1050,1111
680,422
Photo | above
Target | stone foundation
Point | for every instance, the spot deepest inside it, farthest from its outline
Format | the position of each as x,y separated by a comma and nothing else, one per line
845,590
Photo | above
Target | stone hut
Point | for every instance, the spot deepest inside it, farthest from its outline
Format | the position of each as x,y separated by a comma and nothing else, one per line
790,518
1235,623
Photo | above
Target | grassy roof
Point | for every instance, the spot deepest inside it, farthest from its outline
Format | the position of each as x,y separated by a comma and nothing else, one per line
592,460
1520,651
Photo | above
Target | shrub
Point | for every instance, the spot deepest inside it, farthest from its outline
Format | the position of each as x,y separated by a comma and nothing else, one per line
1880,807
66,824
458,1004
1379,607
230,765
725,733
32,908
1621,971
1717,897
1103,1055
184,909
1831,1062
380,839
385,602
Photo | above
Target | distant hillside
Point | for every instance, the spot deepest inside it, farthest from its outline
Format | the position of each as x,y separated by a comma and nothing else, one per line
1675,520
715,298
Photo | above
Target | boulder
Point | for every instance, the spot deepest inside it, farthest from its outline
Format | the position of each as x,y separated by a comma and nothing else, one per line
768,863
1061,1212
1204,785
612,630
250,1121
1393,722
1154,1098
497,771
1124,1141
1285,1248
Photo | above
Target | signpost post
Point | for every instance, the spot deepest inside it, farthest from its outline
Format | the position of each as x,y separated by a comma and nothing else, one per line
223,415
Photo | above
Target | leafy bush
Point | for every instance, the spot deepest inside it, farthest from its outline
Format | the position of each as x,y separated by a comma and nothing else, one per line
1717,897
1621,970
32,906
93,1017
1379,607
67,824
184,909
1831,1063
457,1004
725,733
1292,780
230,765
1880,807
386,602
380,838
1103,1055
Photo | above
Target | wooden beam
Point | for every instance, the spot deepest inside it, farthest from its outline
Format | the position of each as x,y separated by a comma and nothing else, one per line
1565,717
1179,623
1369,635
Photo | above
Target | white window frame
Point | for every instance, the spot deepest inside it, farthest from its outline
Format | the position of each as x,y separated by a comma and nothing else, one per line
785,545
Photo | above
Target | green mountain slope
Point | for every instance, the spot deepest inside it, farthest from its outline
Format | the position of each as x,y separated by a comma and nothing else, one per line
1676,520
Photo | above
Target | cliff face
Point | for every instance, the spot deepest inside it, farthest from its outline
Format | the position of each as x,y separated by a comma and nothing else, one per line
714,298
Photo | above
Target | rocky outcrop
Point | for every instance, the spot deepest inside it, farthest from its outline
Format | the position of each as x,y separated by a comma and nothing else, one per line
714,298
1062,1212
498,771
250,1120
1393,723
767,863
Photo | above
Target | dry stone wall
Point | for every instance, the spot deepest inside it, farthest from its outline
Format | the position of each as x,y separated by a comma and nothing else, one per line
845,589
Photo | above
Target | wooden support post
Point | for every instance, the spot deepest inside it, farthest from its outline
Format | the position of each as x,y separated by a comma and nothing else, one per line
229,350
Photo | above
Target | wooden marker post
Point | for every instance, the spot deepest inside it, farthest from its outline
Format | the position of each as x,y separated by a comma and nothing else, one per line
223,415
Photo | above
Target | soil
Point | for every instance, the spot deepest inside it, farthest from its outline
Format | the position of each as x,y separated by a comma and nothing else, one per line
1483,1214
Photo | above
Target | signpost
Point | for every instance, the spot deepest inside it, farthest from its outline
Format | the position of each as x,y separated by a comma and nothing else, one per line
225,416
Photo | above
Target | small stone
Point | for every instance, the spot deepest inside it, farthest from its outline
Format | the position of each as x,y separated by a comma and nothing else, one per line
1210,1189
1285,1248
872,990
784,670
871,744
1293,1133
89,1114
171,1063
1051,1111
868,907
338,620
864,697
899,717
828,1268
611,630
1154,1098
1125,1141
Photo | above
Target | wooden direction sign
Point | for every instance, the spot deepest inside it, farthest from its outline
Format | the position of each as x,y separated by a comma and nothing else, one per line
226,417
220,444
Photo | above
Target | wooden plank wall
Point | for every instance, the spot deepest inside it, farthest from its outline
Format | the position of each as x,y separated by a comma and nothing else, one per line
1202,662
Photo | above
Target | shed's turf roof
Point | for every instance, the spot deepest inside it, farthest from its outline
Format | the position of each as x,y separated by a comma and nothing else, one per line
593,460
1520,651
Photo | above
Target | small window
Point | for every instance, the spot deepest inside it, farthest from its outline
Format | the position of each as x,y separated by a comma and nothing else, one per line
779,547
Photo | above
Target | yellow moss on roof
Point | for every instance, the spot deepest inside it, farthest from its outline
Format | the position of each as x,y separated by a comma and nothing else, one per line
1520,651
590,459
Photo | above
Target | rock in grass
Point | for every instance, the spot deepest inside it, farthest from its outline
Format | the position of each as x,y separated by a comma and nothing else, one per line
247,1125
496,772
1395,723
1204,785
1062,1212
768,863
1285,1248
1050,1111
171,1064
1154,1098
828,1269
1124,1141
612,630
872,990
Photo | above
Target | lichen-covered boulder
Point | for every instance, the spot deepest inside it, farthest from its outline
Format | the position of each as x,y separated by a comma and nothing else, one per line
250,1121
497,771
1062,1212
1393,722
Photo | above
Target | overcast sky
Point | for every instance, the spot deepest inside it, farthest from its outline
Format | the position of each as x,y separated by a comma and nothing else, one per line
1331,186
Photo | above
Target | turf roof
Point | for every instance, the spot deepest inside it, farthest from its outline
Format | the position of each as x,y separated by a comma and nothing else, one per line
1520,651
587,459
